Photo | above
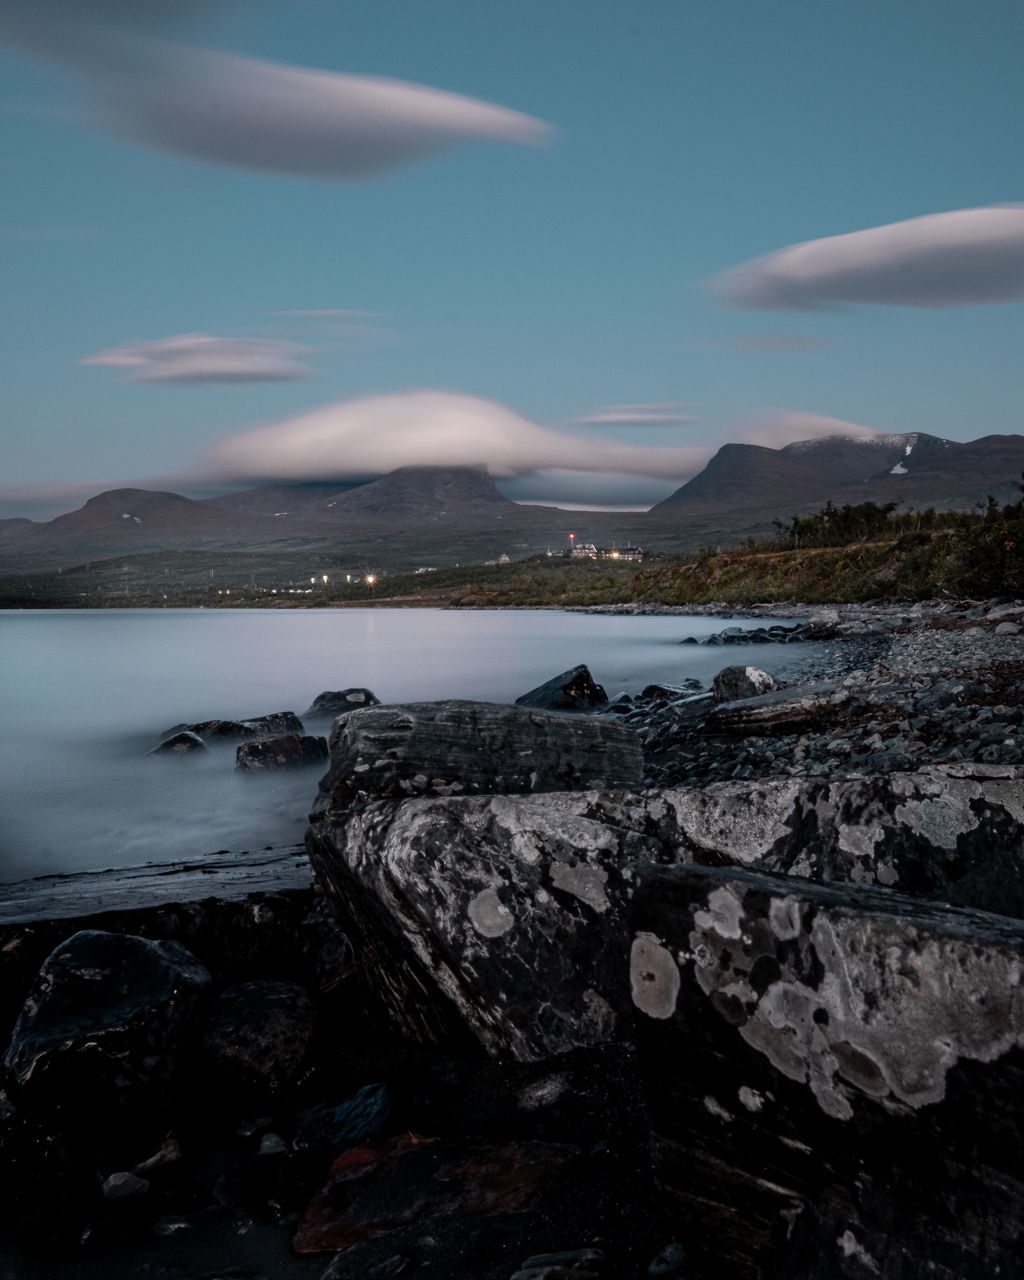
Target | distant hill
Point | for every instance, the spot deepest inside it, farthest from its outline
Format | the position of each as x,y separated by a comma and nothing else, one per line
434,516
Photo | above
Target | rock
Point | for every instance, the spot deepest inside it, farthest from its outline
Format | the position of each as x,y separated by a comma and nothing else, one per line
670,692
251,727
289,751
104,1023
124,1186
834,1076
1008,629
384,1186
782,711
334,703
179,744
733,683
506,912
569,1264
439,748
334,1125
259,1035
822,622
573,690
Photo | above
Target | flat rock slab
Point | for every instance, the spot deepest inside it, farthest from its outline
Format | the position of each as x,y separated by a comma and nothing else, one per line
784,710
834,1076
228,876
457,747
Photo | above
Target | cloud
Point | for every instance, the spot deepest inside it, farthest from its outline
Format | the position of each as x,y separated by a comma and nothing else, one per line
767,342
967,257
251,114
200,358
790,425
665,414
372,436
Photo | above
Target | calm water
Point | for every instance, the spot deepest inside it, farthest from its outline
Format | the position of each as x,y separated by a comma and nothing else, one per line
87,693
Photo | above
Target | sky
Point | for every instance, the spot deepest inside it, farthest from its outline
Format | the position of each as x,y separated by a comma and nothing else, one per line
582,243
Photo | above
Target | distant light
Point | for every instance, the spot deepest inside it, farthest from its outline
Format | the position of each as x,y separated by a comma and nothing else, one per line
325,579
369,579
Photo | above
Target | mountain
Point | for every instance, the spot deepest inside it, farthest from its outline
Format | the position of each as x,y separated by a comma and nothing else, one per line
747,484
433,516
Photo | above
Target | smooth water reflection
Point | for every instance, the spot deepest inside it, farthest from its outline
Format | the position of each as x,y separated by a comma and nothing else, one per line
88,692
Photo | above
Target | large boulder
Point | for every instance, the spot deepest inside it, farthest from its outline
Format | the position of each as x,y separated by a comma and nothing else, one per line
834,1076
573,690
103,1024
445,748
506,912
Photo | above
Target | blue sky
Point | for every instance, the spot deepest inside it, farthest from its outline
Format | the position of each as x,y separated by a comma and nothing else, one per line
539,268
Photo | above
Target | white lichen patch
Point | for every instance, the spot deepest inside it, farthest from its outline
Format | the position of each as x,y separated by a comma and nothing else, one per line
1008,795
653,977
488,914
894,1005
784,917
941,819
582,881
715,1108
751,1099
722,914
850,1247
741,822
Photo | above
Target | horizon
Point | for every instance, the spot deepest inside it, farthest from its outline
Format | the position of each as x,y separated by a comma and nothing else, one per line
248,245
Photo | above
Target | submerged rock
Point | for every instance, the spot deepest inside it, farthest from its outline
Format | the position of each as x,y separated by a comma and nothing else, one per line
333,703
834,1076
573,690
289,751
179,744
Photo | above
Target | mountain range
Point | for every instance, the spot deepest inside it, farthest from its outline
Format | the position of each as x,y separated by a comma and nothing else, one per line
418,516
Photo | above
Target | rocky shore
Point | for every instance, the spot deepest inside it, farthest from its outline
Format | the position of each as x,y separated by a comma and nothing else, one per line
691,982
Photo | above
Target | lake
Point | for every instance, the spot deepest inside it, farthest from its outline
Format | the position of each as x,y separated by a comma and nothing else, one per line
87,693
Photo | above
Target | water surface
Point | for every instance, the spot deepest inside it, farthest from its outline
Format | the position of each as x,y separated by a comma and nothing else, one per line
87,693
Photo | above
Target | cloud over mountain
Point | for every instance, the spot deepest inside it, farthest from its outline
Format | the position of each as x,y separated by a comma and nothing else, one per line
249,113
779,429
200,358
967,257
665,414
373,435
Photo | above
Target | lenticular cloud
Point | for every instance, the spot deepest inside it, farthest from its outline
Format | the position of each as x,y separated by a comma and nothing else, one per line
967,257
246,112
372,436
202,358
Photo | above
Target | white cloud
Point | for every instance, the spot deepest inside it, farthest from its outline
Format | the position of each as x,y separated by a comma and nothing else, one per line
966,257
790,425
372,436
200,358
253,114
666,414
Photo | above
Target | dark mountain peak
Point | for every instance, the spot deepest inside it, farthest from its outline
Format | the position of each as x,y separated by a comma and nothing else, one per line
745,475
418,493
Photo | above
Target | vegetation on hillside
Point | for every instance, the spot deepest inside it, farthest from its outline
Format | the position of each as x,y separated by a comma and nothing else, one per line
850,553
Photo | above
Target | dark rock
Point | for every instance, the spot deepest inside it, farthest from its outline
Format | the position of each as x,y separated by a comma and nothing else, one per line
734,683
289,751
383,1186
437,748
251,727
336,1125
573,690
179,744
259,1035
104,1022
124,1186
670,692
333,703
834,1076
568,1264
783,711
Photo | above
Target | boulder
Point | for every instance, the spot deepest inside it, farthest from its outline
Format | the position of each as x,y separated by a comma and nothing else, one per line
782,711
333,703
733,683
289,751
501,915
103,1025
573,690
259,1035
833,1074
251,727
441,748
